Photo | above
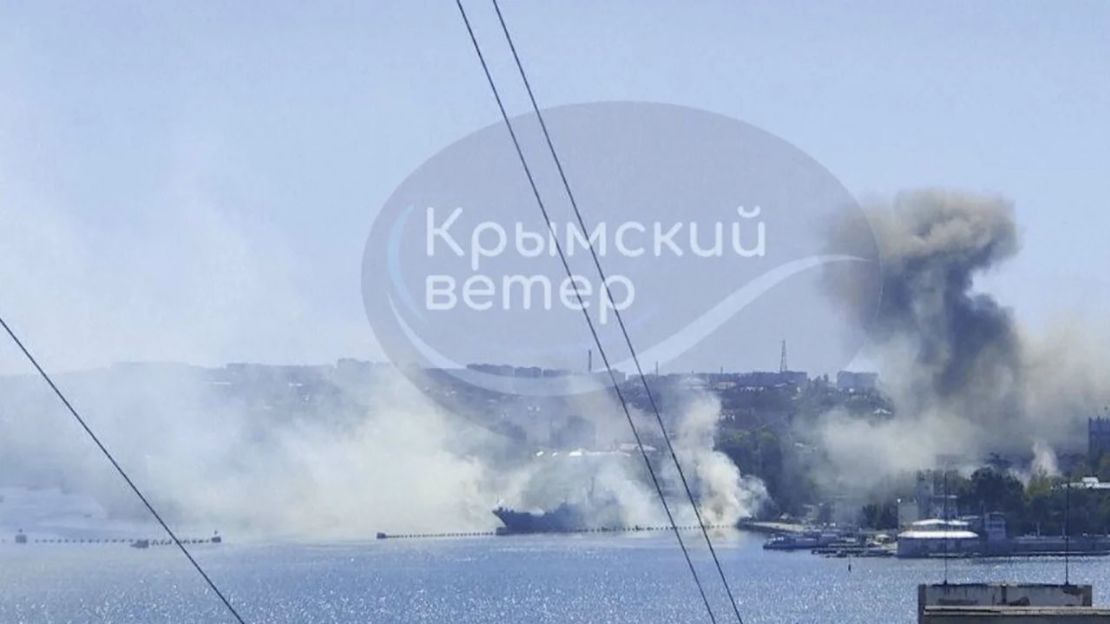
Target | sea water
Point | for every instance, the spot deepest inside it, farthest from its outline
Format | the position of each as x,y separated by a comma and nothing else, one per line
581,578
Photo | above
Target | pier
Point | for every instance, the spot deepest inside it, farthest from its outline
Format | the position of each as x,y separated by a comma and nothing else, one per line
502,532
136,542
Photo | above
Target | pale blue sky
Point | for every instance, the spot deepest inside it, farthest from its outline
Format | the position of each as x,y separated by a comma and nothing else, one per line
195,181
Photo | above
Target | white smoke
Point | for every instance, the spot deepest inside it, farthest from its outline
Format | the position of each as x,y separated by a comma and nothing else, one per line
205,279
724,495
399,462
1044,460
615,486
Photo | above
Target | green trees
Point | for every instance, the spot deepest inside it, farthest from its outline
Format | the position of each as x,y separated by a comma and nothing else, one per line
1047,508
989,489
881,515
755,452
764,454
1043,505
1102,467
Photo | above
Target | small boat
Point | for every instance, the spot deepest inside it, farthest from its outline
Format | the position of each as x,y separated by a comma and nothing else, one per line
792,542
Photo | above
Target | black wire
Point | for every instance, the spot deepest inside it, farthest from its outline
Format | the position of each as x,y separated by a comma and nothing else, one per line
947,527
120,470
585,313
620,320
1067,531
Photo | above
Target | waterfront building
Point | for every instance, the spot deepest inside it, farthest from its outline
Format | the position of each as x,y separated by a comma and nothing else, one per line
937,537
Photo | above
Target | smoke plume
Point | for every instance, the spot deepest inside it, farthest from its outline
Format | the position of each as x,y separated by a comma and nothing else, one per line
614,485
964,377
247,454
724,495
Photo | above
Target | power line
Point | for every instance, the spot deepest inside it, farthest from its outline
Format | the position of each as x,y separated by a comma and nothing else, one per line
947,525
620,320
122,473
585,313
1067,531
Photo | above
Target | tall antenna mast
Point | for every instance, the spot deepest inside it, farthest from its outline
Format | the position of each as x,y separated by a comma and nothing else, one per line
782,358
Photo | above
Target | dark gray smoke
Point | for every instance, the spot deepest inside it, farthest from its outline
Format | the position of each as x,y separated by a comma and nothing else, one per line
964,378
963,346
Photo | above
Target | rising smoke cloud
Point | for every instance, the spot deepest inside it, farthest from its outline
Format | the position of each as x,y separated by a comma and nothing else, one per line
724,495
965,378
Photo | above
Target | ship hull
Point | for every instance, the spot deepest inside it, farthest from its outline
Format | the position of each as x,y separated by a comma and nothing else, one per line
563,519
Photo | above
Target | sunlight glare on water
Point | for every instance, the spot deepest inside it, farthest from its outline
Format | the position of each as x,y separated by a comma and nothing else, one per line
481,580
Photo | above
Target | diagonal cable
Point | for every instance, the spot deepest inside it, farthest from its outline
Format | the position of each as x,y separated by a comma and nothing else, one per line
122,472
620,320
589,322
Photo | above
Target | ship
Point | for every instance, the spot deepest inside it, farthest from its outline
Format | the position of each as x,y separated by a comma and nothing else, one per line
808,540
576,511
566,518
